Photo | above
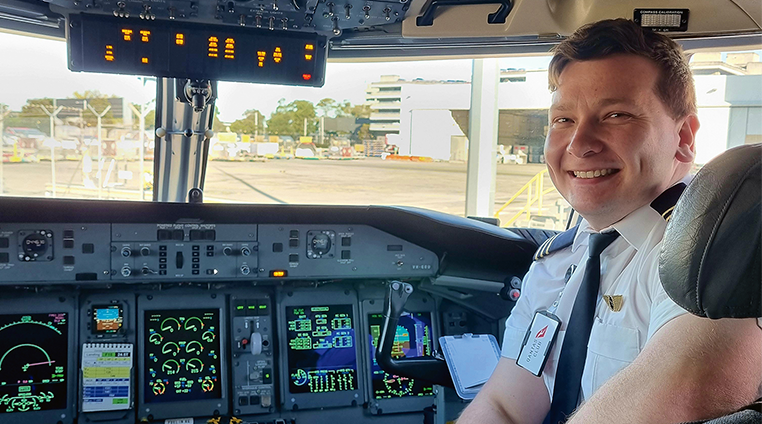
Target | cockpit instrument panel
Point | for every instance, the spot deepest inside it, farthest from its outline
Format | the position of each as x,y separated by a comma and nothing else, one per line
107,319
413,339
321,349
182,355
183,50
33,362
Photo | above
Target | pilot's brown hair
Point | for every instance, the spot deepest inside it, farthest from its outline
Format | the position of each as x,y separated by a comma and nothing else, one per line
674,85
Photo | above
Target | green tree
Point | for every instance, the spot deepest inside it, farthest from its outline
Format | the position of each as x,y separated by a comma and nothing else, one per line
330,108
253,122
288,118
217,125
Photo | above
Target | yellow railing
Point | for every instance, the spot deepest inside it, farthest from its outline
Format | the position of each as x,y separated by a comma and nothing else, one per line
535,192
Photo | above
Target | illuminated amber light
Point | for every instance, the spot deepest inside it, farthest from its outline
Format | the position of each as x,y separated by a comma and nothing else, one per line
127,34
229,48
109,56
307,77
309,47
212,49
308,56
179,39
277,55
261,58
144,34
279,273
144,60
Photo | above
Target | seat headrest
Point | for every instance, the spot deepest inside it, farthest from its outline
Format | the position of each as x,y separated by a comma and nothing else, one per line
710,262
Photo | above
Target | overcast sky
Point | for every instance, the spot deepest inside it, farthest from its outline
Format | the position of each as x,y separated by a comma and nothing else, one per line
34,68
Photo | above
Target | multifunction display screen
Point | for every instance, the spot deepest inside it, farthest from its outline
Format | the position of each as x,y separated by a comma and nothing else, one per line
33,362
182,355
182,50
107,319
321,349
411,340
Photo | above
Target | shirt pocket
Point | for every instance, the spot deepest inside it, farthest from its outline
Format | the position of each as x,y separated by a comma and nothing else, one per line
610,349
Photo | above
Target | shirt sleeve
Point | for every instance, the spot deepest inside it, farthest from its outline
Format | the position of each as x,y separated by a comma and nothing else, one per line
663,308
517,323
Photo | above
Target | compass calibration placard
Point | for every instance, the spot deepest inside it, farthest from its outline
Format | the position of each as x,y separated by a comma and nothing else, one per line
182,355
33,362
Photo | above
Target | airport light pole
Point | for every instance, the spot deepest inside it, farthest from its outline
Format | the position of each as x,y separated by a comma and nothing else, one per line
52,116
100,144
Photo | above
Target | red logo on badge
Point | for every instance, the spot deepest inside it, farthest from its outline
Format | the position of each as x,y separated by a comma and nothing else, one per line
541,333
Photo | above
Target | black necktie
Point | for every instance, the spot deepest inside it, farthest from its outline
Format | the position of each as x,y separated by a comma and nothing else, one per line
571,363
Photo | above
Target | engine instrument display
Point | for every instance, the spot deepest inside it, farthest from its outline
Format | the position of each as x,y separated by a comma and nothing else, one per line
182,50
413,339
107,319
321,349
182,355
33,362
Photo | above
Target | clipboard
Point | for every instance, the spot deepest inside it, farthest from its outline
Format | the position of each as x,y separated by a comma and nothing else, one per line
471,359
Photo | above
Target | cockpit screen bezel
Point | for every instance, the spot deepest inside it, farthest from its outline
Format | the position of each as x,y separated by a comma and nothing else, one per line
41,304
319,400
193,407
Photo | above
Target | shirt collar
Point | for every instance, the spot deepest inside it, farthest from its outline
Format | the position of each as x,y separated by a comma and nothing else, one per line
634,228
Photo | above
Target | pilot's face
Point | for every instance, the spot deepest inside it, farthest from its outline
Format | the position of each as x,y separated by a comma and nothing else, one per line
612,146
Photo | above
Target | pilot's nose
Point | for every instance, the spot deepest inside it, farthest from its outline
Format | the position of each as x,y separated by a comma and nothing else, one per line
585,141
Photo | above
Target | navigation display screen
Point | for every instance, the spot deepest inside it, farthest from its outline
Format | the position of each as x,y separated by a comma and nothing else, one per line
321,349
182,355
413,339
183,50
33,362
107,319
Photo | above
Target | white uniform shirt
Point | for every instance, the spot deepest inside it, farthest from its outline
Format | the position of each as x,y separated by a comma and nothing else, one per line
629,267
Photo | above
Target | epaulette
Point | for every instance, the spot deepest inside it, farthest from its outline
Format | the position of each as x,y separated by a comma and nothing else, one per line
556,243
665,203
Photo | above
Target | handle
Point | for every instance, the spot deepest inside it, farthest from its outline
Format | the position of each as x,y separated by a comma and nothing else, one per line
427,18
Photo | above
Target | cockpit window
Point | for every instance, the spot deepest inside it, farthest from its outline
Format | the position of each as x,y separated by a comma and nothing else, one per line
380,133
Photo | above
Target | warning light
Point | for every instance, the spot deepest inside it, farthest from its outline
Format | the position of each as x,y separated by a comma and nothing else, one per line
144,60
127,34
309,47
229,48
307,77
144,34
308,56
279,274
212,50
179,39
261,58
109,56
277,55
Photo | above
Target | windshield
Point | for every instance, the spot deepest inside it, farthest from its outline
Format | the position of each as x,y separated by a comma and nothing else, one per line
381,133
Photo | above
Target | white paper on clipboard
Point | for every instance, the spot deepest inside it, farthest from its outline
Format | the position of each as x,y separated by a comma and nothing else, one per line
471,359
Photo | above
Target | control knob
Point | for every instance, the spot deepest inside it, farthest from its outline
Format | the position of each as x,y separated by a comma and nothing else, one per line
145,251
126,271
245,251
227,251
126,251
245,270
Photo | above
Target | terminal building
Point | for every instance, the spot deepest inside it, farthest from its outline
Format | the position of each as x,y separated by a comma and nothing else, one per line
430,118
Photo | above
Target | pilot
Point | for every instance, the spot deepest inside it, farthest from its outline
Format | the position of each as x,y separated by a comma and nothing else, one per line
597,329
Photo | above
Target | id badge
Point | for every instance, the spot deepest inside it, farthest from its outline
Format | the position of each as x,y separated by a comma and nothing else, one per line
538,341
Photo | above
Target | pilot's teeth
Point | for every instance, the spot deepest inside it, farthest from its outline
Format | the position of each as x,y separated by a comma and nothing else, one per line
604,172
590,174
597,173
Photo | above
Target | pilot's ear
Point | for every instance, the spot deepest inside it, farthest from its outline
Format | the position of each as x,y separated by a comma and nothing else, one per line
686,147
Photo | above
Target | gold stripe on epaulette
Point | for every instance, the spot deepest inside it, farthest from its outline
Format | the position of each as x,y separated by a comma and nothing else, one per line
668,213
538,253
547,249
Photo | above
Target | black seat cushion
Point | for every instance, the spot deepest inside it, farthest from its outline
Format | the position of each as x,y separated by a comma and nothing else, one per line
711,262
